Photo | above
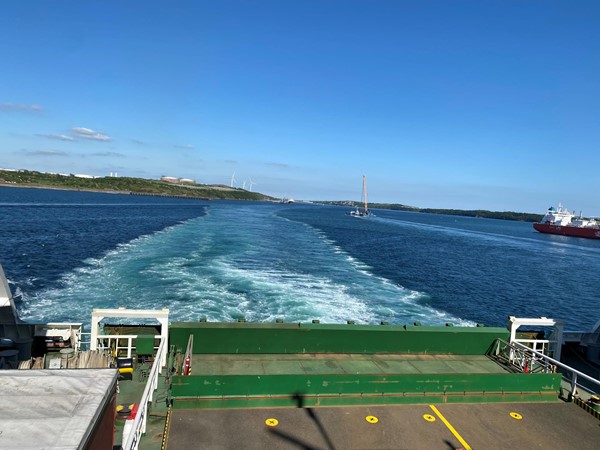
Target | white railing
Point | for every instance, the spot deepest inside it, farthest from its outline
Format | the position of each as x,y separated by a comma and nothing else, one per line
574,373
111,342
132,440
544,346
528,360
186,366
521,357
85,344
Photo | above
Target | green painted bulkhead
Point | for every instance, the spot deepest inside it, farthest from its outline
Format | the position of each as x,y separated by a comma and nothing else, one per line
244,337
260,364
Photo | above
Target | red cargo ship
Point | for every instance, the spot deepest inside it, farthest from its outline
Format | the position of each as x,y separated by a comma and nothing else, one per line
561,221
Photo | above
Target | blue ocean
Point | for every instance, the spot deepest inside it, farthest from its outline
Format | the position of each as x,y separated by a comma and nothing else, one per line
68,252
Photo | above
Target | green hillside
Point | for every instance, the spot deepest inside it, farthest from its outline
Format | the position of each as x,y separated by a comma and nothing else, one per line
126,185
504,215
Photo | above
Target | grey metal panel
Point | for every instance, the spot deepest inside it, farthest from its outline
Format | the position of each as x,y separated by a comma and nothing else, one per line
51,409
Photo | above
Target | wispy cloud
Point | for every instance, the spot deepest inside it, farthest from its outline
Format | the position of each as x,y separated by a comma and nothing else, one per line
16,107
185,147
138,142
278,165
51,153
87,133
108,154
59,137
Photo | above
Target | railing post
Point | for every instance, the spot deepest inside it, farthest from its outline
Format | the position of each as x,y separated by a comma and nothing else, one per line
573,387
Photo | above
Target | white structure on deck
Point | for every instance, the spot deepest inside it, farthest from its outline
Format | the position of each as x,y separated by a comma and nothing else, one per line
57,409
550,346
162,316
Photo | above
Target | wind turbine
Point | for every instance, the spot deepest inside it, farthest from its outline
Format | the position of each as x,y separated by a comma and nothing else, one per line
244,185
252,183
233,179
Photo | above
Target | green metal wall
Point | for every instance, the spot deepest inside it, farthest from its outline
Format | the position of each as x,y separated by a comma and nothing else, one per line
367,388
366,400
224,338
226,390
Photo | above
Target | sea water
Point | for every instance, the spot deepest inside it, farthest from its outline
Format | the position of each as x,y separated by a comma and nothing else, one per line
68,252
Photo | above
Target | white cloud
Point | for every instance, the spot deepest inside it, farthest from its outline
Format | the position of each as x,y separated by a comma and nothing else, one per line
103,154
20,108
42,153
185,147
87,133
59,137
277,165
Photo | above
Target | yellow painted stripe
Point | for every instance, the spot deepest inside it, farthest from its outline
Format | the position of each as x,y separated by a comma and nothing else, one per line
451,428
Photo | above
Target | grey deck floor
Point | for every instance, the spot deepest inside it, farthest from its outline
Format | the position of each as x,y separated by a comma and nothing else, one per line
341,364
480,426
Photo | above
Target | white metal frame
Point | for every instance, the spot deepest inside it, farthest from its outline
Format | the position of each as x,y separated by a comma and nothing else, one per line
552,346
138,427
162,316
574,373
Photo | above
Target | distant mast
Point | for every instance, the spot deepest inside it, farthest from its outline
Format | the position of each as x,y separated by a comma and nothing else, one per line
365,211
365,194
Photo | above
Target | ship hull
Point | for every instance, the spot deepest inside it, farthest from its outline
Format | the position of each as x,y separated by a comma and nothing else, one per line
590,233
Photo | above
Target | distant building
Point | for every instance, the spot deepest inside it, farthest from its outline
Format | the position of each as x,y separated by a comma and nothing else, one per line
82,175
177,180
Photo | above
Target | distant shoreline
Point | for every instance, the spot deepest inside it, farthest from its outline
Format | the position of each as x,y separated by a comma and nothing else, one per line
58,188
125,186
155,188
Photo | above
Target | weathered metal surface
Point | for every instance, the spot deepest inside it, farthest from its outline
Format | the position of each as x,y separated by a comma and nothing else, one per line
222,338
360,379
558,425
269,364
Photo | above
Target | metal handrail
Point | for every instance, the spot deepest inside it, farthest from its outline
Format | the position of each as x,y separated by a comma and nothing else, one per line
575,373
116,338
138,428
521,354
522,358
85,344
186,366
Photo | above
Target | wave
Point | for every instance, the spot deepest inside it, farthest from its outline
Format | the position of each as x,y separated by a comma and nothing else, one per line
224,268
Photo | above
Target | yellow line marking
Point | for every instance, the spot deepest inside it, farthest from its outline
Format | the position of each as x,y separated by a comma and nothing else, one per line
272,422
451,428
515,415
371,419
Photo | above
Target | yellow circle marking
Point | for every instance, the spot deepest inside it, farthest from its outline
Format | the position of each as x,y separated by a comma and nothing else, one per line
371,419
428,417
515,415
272,422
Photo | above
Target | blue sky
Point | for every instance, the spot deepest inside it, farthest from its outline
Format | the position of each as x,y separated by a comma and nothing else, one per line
456,104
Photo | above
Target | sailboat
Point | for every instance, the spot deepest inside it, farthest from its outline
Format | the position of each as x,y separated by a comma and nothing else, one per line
365,211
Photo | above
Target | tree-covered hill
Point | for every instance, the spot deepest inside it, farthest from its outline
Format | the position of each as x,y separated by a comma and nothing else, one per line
504,215
126,185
